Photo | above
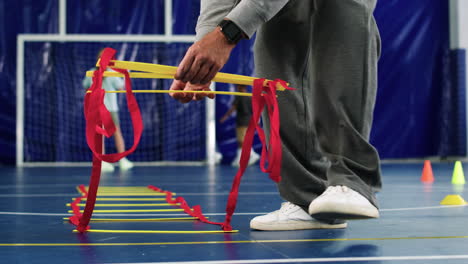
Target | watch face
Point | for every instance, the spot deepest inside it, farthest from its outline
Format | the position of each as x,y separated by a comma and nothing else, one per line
231,31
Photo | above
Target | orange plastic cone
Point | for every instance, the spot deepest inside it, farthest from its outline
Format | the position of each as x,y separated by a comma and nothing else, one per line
427,175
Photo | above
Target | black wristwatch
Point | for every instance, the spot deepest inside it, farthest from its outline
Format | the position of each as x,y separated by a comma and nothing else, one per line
231,31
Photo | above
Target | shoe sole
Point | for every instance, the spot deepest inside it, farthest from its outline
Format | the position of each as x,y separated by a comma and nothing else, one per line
341,216
331,212
341,211
294,225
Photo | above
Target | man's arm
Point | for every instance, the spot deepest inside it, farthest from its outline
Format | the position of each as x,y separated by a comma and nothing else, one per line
249,15
209,54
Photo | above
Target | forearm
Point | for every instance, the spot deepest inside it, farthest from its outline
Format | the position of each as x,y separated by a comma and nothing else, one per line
211,13
249,15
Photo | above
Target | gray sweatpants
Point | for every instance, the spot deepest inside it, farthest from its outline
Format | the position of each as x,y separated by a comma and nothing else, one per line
328,50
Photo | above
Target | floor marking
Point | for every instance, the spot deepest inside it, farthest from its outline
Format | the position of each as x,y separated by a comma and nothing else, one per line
127,199
226,242
314,260
227,194
422,208
158,231
133,211
139,219
35,214
58,185
121,187
130,194
218,214
39,195
182,194
128,205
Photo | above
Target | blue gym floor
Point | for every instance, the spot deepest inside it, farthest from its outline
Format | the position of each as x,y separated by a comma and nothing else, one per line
413,227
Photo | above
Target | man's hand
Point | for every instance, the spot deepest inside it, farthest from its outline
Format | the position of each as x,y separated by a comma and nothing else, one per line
204,58
187,97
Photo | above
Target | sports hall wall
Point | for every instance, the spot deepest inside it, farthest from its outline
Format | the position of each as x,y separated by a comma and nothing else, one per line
421,101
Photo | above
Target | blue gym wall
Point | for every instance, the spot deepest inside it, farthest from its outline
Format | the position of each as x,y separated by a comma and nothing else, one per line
420,106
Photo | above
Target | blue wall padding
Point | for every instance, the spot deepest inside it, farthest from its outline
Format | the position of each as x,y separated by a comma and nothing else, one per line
420,109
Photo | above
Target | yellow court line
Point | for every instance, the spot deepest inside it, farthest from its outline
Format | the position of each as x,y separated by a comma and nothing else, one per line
121,187
130,194
127,199
225,242
156,231
126,190
128,205
133,211
129,191
139,219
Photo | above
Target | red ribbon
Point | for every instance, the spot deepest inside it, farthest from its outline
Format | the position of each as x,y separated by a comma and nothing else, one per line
271,153
75,218
181,203
98,123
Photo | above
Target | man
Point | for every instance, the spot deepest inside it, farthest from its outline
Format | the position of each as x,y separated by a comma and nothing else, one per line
328,50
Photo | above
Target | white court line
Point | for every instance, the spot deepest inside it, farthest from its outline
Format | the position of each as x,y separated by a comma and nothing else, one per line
218,214
422,208
36,214
38,195
179,194
313,260
111,214
226,193
28,186
59,185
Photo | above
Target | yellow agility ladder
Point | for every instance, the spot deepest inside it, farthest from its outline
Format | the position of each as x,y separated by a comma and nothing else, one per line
99,123
158,71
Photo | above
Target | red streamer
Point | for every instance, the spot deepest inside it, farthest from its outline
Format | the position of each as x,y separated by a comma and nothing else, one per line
181,203
98,123
75,218
271,154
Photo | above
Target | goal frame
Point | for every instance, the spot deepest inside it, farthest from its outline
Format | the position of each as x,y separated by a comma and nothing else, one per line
62,36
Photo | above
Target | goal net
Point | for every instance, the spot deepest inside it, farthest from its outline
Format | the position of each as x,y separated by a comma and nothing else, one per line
53,122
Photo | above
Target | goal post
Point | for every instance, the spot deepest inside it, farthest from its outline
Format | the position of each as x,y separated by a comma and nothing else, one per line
50,123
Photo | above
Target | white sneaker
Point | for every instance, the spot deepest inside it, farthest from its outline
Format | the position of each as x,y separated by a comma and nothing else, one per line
125,164
218,157
289,217
107,167
340,202
236,161
254,157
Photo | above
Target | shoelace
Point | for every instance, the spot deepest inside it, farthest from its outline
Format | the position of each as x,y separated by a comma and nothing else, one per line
335,189
286,207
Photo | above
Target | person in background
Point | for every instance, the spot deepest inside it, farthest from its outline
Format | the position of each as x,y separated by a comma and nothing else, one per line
242,105
110,101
